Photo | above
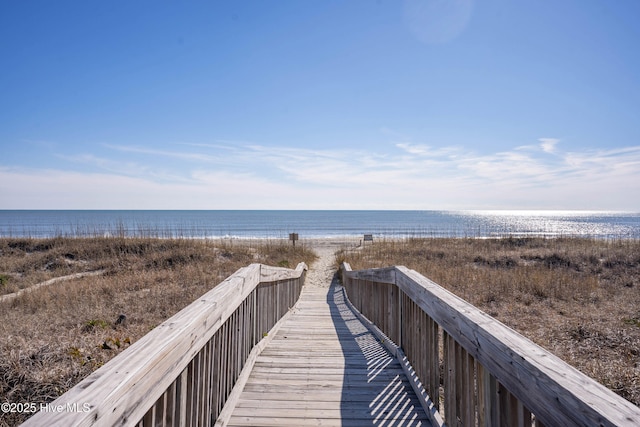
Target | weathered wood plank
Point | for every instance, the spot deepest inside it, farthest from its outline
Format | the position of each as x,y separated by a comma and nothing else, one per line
299,374
383,275
325,413
318,396
301,422
273,274
292,403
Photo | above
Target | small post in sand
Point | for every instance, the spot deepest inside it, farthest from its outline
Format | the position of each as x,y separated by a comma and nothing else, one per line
293,237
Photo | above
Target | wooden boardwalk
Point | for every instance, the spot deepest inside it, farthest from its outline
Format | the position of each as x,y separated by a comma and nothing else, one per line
320,365
324,367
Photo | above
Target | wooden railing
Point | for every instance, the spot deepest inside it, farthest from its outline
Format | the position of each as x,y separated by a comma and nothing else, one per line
473,369
183,371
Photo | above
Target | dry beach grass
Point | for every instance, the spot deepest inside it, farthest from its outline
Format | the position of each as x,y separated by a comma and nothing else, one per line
578,298
54,336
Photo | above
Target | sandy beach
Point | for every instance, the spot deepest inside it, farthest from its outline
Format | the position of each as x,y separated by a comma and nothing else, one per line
322,270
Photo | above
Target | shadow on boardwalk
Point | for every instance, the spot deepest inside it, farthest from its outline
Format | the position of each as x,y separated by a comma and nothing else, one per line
375,389
324,367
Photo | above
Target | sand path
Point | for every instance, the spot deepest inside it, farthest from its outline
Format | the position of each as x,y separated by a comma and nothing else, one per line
11,297
321,272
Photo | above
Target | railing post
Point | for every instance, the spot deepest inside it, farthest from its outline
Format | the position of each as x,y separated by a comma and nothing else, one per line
181,392
399,315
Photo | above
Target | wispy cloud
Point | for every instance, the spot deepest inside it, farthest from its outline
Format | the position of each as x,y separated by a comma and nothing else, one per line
123,167
426,150
413,149
548,145
599,162
109,165
405,175
181,155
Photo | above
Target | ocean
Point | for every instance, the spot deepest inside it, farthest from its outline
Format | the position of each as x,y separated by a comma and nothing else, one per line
316,223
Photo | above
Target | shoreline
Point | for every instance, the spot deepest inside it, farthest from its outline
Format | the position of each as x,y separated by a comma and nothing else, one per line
347,224
317,238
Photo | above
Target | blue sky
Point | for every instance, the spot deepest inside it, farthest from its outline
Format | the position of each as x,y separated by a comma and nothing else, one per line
416,104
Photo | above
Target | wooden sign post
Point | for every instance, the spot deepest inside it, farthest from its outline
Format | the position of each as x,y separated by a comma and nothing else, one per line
293,237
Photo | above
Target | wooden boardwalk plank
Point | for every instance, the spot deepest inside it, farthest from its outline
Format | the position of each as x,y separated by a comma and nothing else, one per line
325,368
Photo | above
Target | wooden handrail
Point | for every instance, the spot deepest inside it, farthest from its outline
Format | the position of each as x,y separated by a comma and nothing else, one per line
491,375
182,372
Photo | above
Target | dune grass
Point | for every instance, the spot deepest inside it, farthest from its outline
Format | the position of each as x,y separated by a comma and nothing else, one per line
578,298
53,337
